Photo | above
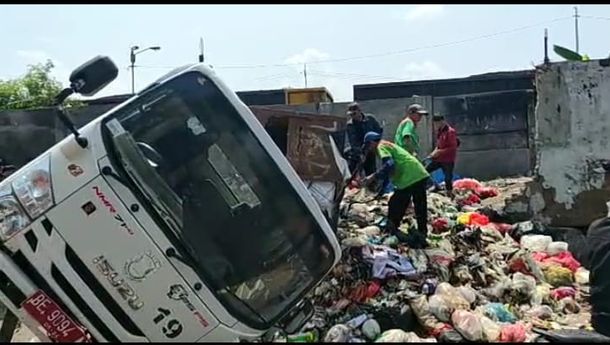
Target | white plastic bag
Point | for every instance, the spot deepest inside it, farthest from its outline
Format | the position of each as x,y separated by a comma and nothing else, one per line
491,330
582,276
467,324
555,248
452,296
439,308
536,243
338,334
468,293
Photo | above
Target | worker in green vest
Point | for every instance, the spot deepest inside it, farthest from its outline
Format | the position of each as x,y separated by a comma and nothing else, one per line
410,179
406,135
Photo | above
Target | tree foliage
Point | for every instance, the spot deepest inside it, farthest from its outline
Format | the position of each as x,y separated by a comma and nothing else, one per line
37,88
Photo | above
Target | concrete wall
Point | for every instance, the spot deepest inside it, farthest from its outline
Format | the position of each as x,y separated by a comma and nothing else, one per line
494,131
494,128
25,134
573,141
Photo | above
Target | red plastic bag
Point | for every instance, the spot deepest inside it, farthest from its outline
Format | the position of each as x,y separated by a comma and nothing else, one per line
513,334
478,219
373,289
566,260
467,184
502,227
486,192
563,292
472,199
540,256
440,225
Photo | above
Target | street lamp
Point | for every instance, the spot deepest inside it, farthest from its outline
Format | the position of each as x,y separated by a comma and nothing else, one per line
132,56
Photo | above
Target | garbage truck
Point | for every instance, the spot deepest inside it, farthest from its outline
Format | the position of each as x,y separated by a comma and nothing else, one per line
173,217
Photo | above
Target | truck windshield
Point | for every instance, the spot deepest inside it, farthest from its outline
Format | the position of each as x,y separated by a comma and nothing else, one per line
240,219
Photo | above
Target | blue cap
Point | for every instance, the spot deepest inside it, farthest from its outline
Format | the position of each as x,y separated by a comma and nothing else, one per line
371,136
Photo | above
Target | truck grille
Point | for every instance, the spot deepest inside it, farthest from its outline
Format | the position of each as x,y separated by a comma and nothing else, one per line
62,275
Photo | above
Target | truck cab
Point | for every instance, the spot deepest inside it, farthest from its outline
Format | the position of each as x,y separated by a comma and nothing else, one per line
171,218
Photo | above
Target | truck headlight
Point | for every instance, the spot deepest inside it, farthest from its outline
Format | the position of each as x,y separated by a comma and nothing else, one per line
12,216
33,188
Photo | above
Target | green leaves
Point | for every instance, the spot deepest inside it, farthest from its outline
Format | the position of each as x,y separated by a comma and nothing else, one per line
37,88
569,54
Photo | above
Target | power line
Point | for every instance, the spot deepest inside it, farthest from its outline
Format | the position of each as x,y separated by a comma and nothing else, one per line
595,17
406,50
399,52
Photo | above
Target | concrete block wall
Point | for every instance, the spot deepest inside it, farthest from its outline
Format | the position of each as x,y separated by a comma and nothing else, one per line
572,127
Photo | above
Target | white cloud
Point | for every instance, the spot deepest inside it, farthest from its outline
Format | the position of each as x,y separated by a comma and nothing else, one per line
424,70
423,12
307,55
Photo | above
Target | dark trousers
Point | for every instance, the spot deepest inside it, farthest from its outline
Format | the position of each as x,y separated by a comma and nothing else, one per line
369,166
400,200
447,171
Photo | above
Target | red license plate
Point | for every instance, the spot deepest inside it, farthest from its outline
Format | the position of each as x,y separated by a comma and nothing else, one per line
59,326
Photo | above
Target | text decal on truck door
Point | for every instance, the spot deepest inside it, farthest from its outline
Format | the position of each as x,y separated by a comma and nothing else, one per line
100,195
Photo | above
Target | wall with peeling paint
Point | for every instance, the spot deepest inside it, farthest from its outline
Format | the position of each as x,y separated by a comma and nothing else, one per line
572,140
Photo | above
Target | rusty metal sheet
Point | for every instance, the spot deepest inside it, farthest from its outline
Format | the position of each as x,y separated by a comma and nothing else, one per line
309,149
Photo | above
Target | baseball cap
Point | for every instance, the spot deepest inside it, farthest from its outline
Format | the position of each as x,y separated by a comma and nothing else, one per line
371,136
416,109
354,106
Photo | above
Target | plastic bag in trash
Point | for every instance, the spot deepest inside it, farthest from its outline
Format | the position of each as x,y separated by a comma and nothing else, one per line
498,312
491,330
452,296
541,294
422,312
582,276
439,308
513,333
568,306
522,287
558,276
563,292
536,243
468,293
371,329
419,259
555,248
543,312
400,336
338,334
467,324
451,336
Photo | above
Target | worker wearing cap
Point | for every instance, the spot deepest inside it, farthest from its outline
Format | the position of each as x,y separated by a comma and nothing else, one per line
357,126
443,156
406,135
410,179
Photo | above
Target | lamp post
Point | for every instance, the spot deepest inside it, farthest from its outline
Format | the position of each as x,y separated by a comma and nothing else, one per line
132,57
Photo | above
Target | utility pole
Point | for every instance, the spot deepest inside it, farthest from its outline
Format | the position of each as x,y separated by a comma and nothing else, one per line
305,73
201,49
576,26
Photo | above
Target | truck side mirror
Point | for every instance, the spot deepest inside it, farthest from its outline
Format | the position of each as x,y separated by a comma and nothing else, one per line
93,75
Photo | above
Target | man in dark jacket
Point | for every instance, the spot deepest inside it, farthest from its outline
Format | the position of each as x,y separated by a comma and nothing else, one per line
357,126
597,261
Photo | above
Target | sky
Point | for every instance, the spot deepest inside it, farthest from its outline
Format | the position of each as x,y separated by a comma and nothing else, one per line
254,47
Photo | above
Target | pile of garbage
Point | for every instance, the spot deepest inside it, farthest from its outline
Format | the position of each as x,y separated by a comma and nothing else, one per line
478,280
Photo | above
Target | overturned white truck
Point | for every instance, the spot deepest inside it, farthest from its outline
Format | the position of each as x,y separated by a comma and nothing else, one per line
172,217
